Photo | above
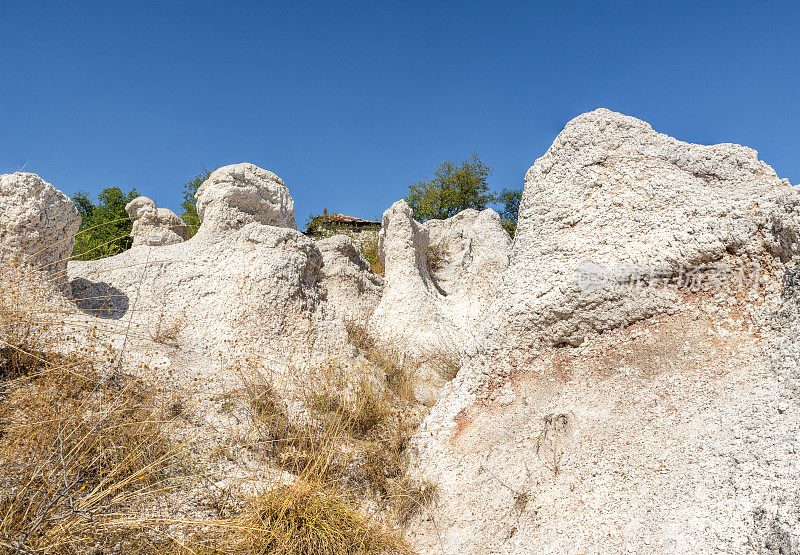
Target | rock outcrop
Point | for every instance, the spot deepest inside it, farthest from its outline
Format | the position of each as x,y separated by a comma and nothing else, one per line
233,279
663,261
352,290
38,224
153,226
440,278
469,253
613,206
236,195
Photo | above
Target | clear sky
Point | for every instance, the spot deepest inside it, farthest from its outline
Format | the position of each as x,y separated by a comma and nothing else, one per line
349,102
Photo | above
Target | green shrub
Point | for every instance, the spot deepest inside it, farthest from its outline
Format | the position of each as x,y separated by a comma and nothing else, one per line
453,189
510,199
189,205
105,226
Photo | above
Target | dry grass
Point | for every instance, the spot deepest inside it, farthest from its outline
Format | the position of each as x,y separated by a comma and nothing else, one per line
87,461
371,253
436,256
359,412
349,434
165,329
410,497
305,518
390,359
444,358
82,446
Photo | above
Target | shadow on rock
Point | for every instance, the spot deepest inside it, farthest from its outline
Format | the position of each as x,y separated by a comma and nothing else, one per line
99,299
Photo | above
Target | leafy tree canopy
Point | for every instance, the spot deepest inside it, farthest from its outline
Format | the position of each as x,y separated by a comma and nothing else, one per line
105,226
453,189
189,205
456,187
509,199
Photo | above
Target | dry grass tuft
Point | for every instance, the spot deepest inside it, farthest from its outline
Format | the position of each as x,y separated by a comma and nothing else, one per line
359,412
444,358
305,518
410,497
82,446
371,253
390,359
436,256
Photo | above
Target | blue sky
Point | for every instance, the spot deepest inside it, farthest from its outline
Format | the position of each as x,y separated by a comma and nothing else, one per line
350,102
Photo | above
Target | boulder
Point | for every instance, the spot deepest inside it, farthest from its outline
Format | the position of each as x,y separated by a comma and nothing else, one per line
155,226
38,224
353,291
636,311
236,195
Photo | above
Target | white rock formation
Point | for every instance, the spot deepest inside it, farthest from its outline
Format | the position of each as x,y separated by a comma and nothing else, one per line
473,249
155,226
38,223
613,204
251,287
259,276
236,195
430,320
352,289
678,436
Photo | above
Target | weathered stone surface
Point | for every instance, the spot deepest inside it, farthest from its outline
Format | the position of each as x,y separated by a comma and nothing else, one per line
38,223
615,219
260,272
472,251
434,321
613,204
251,288
155,226
353,291
236,195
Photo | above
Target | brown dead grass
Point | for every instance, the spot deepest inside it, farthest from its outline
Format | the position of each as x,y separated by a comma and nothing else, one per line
82,445
87,461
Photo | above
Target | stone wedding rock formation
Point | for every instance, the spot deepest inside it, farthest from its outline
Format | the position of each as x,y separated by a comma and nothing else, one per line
352,289
627,367
247,268
440,278
236,195
663,261
613,204
153,226
38,224
245,298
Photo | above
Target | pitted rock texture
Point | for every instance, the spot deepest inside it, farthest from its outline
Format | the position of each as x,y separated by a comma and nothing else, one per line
260,275
687,392
613,205
236,195
352,289
469,253
38,224
155,226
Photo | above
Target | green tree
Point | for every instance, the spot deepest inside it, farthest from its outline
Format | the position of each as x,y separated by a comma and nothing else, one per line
105,226
189,204
453,189
509,199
